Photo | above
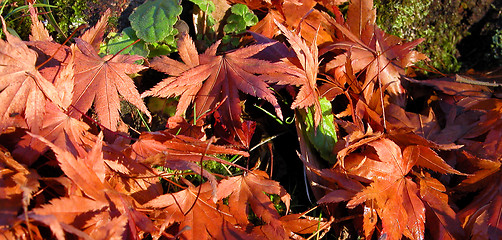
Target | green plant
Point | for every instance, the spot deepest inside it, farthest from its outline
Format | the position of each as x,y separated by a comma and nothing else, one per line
15,16
496,45
324,138
240,18
154,21
120,42
152,30
204,21
208,8
69,15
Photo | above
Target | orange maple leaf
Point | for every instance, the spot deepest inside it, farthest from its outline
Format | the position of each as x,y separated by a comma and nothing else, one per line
308,57
250,189
100,80
23,90
383,56
197,213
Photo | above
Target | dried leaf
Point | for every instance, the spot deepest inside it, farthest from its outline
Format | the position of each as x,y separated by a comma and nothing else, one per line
360,15
441,218
17,184
78,171
250,189
38,30
186,207
100,80
426,157
94,36
23,89
216,81
308,57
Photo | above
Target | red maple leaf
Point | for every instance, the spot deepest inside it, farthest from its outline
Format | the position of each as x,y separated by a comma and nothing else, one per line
211,81
482,217
89,175
308,58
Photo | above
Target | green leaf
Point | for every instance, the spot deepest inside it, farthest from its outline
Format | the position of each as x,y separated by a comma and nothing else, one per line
124,39
24,7
240,19
325,138
206,6
153,21
250,19
159,49
239,9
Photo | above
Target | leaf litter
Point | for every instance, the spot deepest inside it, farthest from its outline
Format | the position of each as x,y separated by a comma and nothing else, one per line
392,172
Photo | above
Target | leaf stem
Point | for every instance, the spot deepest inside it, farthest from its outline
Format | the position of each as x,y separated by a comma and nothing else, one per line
270,114
137,40
143,120
60,46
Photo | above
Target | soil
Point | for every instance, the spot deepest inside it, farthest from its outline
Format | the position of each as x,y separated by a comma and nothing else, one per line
475,49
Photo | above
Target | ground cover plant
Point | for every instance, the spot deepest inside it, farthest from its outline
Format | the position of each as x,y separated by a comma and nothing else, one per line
84,154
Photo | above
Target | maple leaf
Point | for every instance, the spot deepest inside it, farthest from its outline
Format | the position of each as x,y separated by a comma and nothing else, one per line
89,175
311,23
456,85
77,216
23,89
17,184
132,178
426,157
215,81
397,204
308,57
179,152
101,80
301,224
64,131
90,220
393,195
57,127
177,147
400,202
94,35
38,30
81,171
58,228
179,126
481,218
197,213
250,189
487,128
399,119
344,186
384,57
441,218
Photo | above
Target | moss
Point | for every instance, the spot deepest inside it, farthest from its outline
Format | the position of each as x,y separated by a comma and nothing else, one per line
69,14
439,22
19,21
